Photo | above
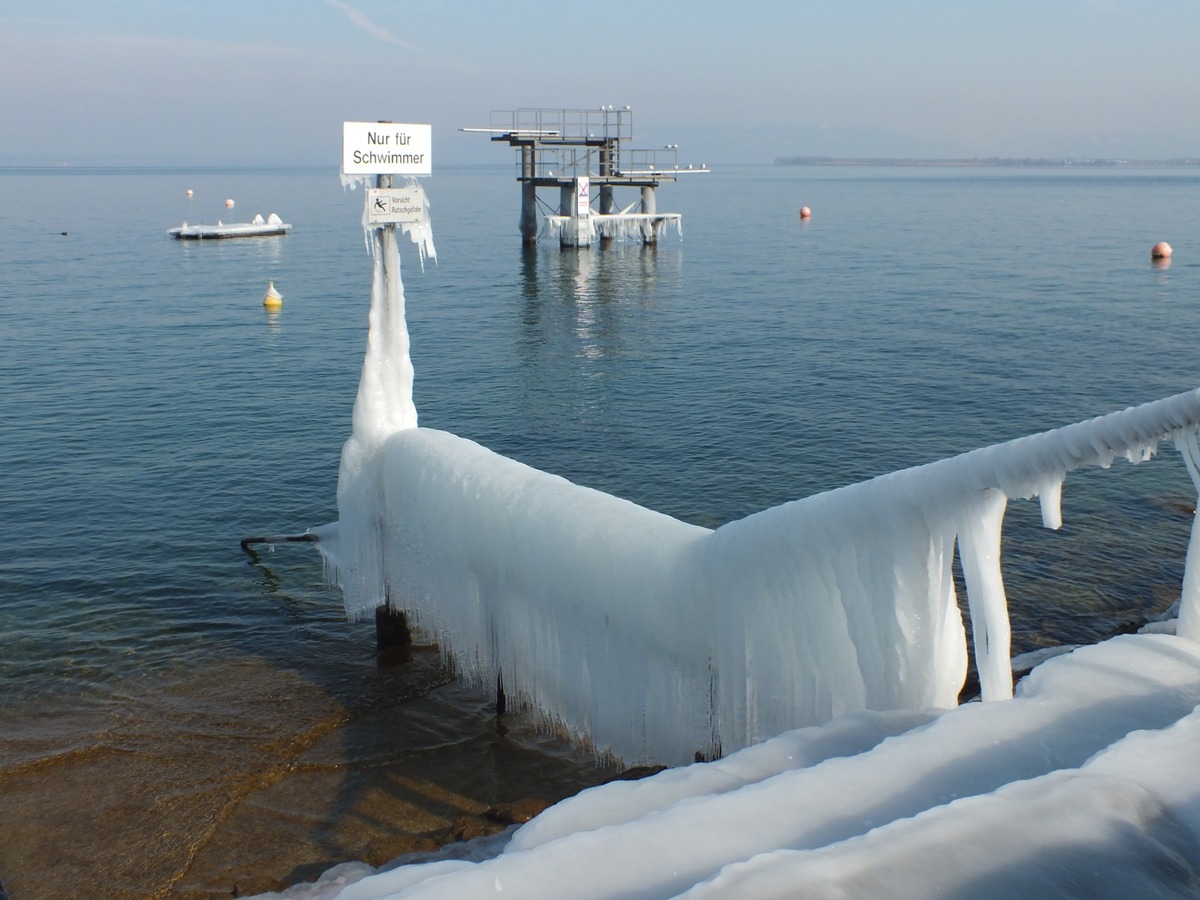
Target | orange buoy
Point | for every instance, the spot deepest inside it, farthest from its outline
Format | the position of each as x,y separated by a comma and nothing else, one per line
1161,250
805,212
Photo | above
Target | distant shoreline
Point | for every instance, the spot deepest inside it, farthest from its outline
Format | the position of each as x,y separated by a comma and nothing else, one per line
989,161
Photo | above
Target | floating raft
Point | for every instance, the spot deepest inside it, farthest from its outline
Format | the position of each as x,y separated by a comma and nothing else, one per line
260,227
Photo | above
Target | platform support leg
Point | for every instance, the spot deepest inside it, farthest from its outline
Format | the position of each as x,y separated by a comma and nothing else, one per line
649,207
528,225
607,207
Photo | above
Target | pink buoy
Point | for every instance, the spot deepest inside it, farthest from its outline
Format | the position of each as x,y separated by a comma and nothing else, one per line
229,204
805,212
1161,250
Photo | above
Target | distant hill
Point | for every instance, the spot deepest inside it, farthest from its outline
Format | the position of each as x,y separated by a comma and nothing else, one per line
978,161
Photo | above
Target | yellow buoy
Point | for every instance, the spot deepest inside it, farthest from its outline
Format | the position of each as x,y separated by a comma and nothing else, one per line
273,299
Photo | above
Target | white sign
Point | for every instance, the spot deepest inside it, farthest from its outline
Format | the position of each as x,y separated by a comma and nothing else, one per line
386,148
406,205
583,188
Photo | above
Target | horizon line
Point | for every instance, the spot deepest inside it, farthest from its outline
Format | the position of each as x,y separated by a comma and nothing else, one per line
815,160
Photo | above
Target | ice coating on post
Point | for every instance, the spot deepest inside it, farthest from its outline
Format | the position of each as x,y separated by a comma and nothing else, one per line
352,547
384,402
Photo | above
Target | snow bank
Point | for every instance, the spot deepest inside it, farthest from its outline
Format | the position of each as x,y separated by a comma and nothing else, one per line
1083,785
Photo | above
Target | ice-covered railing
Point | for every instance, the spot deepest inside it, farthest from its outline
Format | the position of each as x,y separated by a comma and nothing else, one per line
656,639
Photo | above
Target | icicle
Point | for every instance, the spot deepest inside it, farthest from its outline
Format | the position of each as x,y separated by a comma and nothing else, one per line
1185,440
1188,625
1189,601
352,182
1050,497
623,226
979,551
420,233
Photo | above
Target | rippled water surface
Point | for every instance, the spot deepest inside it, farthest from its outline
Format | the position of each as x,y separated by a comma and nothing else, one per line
177,716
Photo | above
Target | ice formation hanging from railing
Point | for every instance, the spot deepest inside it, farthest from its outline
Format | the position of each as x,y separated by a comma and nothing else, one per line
646,227
420,232
655,639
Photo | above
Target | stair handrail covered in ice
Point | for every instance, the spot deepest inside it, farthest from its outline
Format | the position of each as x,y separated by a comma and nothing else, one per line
655,639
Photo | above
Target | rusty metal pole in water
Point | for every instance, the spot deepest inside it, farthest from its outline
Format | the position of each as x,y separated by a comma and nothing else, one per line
308,537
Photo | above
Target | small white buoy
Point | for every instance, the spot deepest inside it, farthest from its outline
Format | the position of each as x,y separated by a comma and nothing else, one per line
273,299
805,212
1161,250
189,192
229,204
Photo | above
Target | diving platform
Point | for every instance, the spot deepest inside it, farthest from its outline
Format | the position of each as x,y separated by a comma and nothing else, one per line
582,153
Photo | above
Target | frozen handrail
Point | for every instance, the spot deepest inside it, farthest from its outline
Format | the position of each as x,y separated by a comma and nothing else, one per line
655,638
791,616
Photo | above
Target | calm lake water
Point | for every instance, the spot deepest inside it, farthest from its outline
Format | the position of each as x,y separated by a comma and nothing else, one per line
178,717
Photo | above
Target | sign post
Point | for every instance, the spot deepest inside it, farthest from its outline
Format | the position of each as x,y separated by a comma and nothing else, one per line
377,152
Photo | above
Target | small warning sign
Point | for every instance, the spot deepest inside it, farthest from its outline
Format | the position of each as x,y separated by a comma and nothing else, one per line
583,187
404,205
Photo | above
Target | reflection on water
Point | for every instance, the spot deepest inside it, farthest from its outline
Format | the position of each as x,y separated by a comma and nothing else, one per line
274,321
582,299
268,249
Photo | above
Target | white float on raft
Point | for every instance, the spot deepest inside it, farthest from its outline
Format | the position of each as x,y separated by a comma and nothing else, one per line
272,225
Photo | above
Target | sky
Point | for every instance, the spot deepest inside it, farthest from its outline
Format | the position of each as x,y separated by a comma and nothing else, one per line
269,82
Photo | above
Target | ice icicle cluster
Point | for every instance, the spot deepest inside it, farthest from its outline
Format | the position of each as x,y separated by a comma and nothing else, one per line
656,639
620,226
420,233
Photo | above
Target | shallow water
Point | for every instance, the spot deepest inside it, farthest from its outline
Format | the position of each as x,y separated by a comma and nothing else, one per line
178,716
